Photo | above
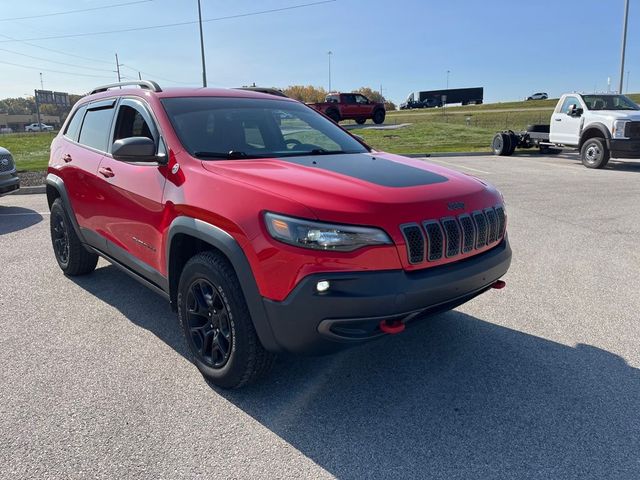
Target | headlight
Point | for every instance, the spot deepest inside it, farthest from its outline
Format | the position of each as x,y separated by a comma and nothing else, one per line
618,128
323,236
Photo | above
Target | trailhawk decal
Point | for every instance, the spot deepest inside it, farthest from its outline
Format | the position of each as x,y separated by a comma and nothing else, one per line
370,169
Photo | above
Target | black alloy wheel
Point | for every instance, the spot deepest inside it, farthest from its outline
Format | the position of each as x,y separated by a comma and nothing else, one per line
208,323
60,237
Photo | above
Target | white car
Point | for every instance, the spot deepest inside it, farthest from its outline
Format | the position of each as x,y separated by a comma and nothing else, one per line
38,127
538,96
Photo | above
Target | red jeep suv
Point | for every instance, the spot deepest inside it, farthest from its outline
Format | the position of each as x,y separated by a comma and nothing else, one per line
267,226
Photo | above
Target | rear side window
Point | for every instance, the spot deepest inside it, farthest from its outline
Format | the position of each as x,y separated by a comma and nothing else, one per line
73,126
95,128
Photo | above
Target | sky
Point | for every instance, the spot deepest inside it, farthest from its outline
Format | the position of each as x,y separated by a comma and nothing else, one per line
512,48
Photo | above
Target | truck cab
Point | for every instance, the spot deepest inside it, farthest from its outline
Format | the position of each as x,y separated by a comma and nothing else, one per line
599,125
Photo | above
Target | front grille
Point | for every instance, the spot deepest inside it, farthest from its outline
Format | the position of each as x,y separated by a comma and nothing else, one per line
415,242
452,236
6,162
632,130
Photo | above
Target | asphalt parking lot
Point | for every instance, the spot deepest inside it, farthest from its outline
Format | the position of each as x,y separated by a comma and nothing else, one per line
538,380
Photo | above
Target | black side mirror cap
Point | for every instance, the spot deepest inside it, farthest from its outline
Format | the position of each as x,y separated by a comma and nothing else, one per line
134,149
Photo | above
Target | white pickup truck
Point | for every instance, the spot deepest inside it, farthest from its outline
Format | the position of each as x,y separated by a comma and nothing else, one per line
38,127
600,126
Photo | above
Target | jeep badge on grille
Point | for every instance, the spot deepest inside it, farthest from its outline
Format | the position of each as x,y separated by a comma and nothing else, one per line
455,205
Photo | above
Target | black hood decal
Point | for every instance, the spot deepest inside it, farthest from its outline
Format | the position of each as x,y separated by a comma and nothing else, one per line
370,169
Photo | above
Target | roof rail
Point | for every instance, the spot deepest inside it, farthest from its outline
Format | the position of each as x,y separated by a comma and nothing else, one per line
146,84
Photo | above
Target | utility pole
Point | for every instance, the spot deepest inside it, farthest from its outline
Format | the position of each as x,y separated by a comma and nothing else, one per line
139,76
329,53
624,44
118,68
204,67
41,82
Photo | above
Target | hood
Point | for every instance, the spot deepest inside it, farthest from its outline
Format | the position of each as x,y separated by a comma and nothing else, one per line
365,188
633,115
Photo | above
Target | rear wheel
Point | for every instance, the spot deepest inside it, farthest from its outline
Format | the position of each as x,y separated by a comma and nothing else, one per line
594,153
217,325
71,255
501,144
361,121
378,116
334,115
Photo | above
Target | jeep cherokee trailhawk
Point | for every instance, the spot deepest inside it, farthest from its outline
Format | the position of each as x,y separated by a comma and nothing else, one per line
267,226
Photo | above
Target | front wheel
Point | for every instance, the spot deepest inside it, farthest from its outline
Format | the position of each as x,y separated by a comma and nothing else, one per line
594,153
361,121
217,325
71,255
378,116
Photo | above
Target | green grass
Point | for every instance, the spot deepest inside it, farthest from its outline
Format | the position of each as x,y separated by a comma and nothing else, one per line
30,150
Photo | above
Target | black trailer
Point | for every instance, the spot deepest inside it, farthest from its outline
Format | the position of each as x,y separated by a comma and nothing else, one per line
439,98
536,136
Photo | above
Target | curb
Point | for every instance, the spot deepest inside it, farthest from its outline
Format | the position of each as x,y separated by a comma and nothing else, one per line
30,190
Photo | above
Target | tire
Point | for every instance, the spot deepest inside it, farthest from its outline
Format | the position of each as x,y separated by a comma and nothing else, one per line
361,121
216,323
72,257
334,115
594,153
501,144
379,116
514,142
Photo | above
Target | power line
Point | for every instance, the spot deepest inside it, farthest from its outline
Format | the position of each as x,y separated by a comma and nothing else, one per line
54,50
169,25
54,61
53,71
68,12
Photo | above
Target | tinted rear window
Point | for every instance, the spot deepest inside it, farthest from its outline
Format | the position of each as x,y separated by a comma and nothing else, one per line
95,128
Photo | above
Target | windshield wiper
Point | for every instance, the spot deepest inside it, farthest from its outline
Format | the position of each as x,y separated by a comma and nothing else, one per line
231,155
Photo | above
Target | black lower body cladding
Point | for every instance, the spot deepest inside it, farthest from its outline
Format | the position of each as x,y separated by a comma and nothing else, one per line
625,148
350,311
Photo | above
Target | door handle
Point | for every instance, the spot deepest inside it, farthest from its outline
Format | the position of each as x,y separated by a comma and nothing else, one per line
558,119
106,172
66,158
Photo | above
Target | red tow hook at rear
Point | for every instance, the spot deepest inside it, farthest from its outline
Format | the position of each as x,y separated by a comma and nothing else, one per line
392,326
499,284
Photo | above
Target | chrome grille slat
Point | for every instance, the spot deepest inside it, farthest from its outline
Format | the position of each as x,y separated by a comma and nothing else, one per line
435,240
414,241
452,236
502,221
468,233
492,218
480,221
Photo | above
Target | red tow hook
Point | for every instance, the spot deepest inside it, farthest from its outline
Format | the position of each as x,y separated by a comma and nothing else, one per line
499,284
392,326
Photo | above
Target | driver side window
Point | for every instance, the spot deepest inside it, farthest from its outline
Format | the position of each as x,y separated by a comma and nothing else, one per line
568,102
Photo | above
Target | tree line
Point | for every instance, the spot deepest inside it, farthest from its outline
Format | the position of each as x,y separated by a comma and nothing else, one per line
302,93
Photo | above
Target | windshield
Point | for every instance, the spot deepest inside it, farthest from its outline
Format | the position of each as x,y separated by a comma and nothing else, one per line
609,102
239,128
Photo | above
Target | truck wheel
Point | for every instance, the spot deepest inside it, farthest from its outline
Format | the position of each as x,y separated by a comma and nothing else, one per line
594,153
514,142
501,144
71,255
378,116
334,115
217,325
361,121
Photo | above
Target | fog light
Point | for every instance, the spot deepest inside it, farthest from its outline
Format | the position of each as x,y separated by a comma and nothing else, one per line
323,285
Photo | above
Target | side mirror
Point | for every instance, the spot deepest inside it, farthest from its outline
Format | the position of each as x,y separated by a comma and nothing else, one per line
574,111
134,149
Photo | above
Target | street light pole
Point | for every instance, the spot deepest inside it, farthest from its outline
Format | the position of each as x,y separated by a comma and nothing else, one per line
329,53
448,72
204,68
624,44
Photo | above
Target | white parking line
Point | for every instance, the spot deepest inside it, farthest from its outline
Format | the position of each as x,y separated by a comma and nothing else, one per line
457,165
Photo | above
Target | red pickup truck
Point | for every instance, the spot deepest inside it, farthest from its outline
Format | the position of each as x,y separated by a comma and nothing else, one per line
350,106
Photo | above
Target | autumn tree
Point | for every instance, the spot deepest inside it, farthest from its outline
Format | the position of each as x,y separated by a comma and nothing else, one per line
306,93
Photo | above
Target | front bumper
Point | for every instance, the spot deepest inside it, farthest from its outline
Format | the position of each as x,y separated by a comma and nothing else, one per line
351,310
625,148
9,183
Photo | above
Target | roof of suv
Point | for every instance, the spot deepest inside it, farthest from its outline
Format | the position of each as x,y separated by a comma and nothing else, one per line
186,92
